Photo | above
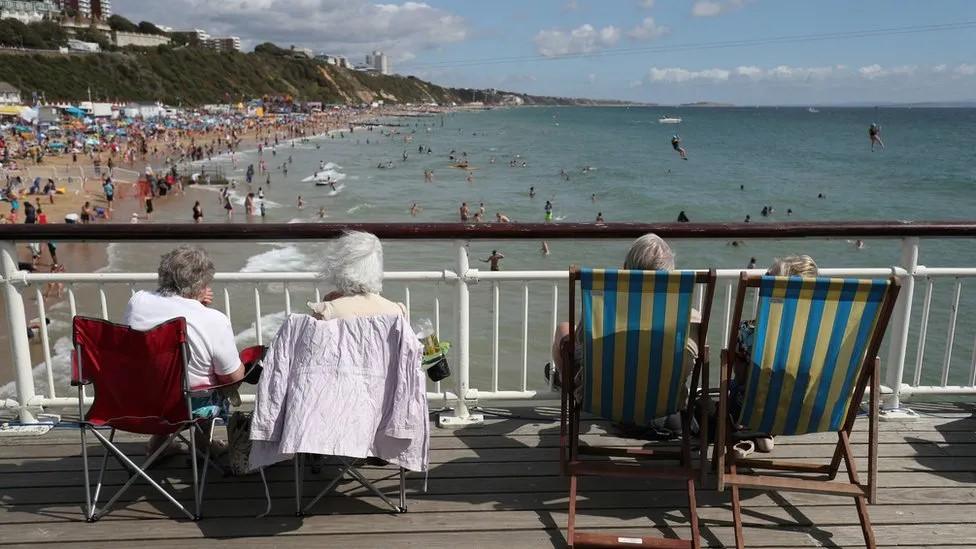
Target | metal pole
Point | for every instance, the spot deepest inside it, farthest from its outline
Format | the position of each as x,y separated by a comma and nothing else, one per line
461,415
899,333
17,328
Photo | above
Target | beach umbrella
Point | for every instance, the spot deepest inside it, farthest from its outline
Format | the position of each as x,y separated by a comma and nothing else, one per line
75,112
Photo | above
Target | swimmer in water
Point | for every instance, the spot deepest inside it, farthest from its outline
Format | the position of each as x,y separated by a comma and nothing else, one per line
548,209
874,133
599,218
593,197
531,192
502,218
682,218
414,209
464,211
301,203
322,212
676,144
494,259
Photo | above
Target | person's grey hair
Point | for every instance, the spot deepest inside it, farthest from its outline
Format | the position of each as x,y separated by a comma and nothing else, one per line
650,253
185,271
354,264
793,265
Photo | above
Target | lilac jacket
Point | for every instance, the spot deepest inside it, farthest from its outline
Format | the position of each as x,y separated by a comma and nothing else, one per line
348,387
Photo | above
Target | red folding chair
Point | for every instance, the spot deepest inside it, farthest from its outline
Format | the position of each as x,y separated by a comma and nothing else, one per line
141,386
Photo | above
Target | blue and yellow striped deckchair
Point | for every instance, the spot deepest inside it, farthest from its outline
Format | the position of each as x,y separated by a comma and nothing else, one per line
635,327
813,352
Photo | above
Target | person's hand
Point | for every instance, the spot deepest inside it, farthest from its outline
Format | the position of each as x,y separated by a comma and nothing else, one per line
207,296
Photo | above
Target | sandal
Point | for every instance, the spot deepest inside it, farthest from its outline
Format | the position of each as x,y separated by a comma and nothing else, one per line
744,449
765,444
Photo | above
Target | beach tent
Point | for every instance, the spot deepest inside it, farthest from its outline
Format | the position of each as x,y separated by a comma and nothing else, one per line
75,112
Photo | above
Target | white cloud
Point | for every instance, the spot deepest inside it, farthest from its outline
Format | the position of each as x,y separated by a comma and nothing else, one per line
751,72
940,68
583,39
786,72
571,5
648,30
965,70
711,8
350,27
874,71
646,4
677,75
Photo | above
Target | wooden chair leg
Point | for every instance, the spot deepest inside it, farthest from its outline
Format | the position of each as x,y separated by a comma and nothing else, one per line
740,542
862,516
571,529
693,514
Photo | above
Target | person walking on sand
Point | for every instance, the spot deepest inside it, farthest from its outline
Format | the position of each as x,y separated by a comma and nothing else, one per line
228,206
493,260
545,248
874,133
676,144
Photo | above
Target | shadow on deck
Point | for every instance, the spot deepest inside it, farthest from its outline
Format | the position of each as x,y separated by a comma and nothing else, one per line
498,485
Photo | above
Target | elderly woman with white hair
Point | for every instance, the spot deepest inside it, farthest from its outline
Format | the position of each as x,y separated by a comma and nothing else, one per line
648,253
354,267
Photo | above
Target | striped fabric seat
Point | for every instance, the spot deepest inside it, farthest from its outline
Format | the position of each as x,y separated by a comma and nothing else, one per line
635,325
808,351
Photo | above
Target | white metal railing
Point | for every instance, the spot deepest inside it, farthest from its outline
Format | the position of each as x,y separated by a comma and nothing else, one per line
18,286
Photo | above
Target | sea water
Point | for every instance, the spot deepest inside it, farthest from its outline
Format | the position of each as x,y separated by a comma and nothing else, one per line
739,160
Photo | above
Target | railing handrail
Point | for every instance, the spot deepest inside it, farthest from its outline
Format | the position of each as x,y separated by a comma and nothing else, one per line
484,231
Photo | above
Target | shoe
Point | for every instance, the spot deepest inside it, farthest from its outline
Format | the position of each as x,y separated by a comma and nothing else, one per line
744,449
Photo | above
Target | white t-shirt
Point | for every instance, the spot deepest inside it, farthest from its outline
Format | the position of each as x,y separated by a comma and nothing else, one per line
209,335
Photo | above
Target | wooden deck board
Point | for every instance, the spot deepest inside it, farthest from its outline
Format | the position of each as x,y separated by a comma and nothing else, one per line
499,486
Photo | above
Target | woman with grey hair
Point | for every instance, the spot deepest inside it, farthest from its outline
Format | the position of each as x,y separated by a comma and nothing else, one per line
185,274
648,253
354,268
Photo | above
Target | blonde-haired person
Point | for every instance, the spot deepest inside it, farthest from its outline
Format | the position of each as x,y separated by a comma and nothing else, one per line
791,265
354,267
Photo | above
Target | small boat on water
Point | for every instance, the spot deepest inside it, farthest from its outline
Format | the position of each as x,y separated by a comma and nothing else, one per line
813,110
669,120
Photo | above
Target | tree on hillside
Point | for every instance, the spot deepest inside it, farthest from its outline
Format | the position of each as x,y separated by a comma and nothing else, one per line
119,23
51,33
149,28
269,48
93,35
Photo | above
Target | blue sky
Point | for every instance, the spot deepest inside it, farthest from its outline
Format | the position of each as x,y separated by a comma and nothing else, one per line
535,46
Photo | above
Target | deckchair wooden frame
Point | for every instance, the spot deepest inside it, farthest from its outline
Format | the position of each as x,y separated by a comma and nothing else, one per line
727,465
570,448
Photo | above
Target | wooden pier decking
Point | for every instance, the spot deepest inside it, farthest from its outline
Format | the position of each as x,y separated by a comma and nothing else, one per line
498,486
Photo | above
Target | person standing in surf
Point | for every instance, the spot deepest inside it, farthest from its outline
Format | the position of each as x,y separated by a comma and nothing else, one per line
874,133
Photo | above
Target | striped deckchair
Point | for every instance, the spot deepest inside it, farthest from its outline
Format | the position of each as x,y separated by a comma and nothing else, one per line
635,325
814,350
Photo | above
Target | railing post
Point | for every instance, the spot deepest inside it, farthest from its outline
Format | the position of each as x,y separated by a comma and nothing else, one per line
461,415
900,322
17,328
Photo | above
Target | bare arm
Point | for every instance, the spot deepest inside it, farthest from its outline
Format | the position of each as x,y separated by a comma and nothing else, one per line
233,377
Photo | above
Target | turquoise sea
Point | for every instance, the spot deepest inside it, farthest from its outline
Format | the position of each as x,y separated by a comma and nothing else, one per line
740,160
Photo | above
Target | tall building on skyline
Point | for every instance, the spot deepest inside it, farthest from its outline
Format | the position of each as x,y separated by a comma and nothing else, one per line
378,61
92,9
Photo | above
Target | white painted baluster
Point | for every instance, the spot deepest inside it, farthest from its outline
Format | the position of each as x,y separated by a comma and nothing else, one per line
257,316
16,320
45,341
102,301
923,333
287,300
898,331
318,296
950,338
494,336
72,305
525,336
437,328
406,301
